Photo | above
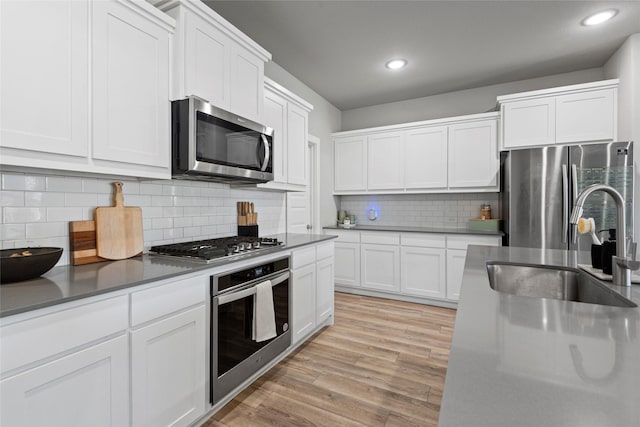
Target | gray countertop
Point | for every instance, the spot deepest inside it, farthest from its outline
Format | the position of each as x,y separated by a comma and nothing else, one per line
519,361
411,229
68,283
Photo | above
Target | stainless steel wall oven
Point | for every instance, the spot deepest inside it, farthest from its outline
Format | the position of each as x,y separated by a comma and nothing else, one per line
235,356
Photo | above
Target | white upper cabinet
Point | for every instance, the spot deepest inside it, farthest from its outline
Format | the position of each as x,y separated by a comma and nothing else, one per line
570,114
473,155
586,116
130,62
385,161
45,77
349,157
529,122
445,155
215,61
85,87
288,115
426,167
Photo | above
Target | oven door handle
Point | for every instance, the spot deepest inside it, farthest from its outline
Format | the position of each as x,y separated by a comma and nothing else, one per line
225,299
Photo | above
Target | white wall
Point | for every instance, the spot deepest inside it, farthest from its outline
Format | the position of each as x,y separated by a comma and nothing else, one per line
471,101
37,207
323,120
625,65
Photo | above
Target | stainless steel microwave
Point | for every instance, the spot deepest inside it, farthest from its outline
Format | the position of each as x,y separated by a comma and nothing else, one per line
209,143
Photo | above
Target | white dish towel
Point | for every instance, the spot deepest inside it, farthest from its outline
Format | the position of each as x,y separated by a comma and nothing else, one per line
264,318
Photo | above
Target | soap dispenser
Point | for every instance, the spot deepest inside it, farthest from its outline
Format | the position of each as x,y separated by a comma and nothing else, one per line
608,250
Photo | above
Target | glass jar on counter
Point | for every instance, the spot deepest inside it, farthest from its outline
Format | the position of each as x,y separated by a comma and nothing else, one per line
485,211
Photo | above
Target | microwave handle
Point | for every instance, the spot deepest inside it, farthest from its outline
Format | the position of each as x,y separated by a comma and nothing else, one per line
267,153
225,299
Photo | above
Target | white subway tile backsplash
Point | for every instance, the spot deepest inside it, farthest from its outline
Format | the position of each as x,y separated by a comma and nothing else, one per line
64,184
418,210
12,198
101,186
23,182
39,198
80,199
13,215
67,214
36,208
46,229
162,223
12,231
173,233
150,189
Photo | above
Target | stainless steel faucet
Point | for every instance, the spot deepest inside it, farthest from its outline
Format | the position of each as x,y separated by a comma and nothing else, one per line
621,265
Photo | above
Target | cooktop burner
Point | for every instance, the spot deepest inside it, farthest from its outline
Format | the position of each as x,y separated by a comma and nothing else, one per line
211,249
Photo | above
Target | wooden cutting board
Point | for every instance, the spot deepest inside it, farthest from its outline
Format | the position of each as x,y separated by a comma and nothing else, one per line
118,228
82,242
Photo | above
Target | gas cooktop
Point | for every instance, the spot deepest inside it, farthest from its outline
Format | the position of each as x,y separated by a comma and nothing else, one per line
213,249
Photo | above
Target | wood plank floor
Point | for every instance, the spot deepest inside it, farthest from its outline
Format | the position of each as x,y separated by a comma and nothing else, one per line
383,363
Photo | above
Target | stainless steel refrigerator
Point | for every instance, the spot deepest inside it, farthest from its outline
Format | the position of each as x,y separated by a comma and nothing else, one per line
539,186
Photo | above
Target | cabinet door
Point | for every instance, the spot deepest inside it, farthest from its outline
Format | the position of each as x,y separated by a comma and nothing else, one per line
347,263
385,168
296,145
586,116
168,360
324,289
130,87
529,122
349,156
44,59
275,116
86,388
425,158
473,155
206,64
455,268
423,272
247,84
304,301
381,267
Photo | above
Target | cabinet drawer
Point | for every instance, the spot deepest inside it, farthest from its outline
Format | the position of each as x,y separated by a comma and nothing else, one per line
345,236
461,242
324,250
423,240
381,238
44,336
303,256
164,299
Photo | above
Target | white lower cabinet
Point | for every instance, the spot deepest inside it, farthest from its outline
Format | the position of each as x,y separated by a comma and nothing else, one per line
87,388
456,256
312,289
418,266
304,301
380,267
324,289
455,267
422,272
168,360
347,263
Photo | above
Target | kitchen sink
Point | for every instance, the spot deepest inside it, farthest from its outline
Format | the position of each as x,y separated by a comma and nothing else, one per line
540,281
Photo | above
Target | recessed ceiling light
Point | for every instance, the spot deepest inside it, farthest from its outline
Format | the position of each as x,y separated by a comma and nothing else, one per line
599,17
396,64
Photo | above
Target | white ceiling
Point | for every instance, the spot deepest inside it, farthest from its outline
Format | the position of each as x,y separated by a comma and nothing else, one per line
338,48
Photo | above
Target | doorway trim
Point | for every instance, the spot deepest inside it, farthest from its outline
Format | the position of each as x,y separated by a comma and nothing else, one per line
314,183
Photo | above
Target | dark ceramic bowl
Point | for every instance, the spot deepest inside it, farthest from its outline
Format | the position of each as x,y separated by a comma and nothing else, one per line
24,266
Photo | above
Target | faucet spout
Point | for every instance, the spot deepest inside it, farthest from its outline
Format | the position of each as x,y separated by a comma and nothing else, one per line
621,272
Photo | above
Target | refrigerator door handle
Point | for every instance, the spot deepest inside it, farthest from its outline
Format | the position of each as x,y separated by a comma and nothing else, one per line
574,188
565,204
